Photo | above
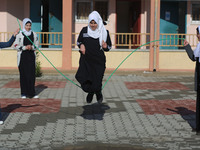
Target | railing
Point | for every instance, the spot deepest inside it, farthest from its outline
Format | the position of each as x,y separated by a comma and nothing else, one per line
119,40
129,40
46,38
122,40
134,40
5,36
50,38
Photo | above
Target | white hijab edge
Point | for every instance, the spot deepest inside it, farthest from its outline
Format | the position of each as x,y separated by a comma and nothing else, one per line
27,33
100,32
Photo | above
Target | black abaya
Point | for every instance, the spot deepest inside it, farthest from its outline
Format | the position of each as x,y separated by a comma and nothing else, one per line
27,69
91,65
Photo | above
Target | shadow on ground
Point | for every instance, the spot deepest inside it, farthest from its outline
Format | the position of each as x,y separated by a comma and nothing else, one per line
186,114
94,111
98,146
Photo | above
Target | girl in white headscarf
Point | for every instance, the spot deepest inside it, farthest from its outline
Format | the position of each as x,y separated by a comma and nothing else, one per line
26,59
93,40
194,56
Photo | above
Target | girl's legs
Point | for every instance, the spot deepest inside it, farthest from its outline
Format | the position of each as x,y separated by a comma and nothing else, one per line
89,97
99,97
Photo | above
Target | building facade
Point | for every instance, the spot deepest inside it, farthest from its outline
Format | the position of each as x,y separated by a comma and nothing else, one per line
153,18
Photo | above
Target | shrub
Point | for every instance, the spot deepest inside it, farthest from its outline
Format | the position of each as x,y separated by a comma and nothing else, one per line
38,72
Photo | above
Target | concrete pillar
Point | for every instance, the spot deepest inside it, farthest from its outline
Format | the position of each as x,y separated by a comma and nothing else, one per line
154,35
67,35
26,8
157,34
3,14
152,21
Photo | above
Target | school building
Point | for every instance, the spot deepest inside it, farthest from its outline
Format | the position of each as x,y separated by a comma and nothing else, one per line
131,23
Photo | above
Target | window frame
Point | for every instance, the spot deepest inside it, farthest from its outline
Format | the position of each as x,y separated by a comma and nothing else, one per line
92,8
194,21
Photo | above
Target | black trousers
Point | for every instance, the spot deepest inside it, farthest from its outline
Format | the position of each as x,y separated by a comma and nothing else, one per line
198,97
27,73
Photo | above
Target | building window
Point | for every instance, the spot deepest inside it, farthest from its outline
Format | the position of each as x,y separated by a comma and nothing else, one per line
84,8
196,12
102,8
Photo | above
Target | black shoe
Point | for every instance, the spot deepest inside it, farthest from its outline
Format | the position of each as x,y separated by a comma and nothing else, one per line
99,97
89,97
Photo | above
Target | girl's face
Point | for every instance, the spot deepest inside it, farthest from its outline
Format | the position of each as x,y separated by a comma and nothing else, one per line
28,27
93,25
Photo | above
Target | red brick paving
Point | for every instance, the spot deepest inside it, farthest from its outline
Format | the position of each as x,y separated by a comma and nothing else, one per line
30,105
168,107
156,85
38,84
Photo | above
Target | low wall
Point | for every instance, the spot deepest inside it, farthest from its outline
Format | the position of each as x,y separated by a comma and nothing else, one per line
114,58
139,60
8,58
175,61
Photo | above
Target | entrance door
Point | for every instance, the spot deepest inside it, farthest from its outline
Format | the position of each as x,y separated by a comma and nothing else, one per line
172,20
35,13
128,21
55,20
135,22
47,17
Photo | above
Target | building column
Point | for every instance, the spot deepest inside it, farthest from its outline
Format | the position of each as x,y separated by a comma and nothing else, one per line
67,35
26,8
152,21
157,33
154,35
3,14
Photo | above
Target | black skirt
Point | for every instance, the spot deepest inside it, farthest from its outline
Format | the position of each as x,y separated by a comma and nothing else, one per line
27,73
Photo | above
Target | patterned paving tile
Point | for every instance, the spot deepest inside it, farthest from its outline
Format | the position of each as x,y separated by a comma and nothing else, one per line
39,84
168,107
30,105
156,85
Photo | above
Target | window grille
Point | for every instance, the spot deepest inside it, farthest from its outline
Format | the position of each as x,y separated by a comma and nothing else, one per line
84,8
195,12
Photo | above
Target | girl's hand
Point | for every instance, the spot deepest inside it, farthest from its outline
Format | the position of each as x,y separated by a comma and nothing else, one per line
104,44
185,43
28,47
16,32
82,49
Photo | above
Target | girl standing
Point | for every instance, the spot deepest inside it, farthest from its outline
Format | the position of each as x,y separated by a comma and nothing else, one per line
26,59
194,56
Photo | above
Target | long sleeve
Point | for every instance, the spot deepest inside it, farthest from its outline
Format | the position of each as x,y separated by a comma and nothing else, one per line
36,42
18,44
7,44
109,43
190,52
80,38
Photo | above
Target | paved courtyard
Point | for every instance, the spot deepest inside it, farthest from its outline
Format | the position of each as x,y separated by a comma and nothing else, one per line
141,110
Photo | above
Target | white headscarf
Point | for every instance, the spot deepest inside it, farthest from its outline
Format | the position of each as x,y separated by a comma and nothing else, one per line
100,32
197,50
27,33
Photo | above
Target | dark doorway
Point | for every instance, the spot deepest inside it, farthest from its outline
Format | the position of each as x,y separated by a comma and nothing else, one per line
128,21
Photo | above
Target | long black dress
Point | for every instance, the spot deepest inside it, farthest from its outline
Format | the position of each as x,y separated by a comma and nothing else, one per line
91,65
191,55
27,69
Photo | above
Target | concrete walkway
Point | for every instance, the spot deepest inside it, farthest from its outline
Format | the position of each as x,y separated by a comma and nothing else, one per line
140,111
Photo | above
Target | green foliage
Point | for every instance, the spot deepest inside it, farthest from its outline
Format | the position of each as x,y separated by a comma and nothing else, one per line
38,72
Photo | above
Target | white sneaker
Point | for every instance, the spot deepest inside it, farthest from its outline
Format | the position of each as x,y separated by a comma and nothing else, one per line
36,96
23,96
1,122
